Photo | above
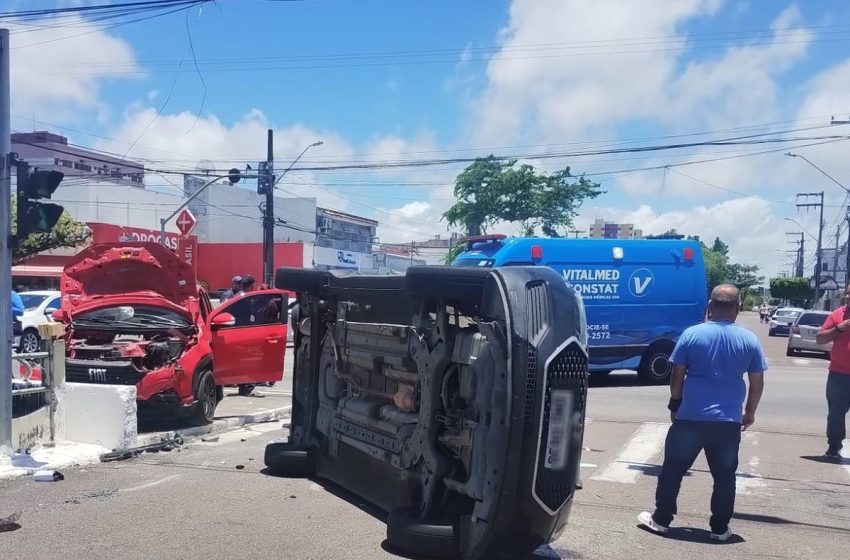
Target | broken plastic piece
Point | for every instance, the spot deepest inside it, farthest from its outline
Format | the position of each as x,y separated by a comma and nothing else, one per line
48,476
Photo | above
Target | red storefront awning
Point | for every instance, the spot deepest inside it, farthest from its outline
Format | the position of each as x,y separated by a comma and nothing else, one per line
32,270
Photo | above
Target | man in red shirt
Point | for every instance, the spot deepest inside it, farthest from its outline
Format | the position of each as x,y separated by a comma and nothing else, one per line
836,329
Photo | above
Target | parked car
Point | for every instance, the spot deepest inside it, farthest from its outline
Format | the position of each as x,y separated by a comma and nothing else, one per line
803,332
39,307
136,316
780,323
453,398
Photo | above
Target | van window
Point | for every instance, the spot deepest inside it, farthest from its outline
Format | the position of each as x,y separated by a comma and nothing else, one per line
479,262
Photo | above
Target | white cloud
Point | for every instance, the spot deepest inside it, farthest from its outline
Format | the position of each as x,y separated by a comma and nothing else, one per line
579,89
58,71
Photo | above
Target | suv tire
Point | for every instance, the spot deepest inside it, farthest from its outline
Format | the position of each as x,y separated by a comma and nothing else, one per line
291,460
409,535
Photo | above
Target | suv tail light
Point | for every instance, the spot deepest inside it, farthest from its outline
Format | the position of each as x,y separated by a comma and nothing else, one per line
795,329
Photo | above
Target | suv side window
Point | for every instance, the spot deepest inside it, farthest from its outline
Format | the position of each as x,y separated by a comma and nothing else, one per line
258,309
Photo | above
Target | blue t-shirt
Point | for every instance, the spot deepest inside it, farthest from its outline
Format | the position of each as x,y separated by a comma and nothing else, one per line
716,354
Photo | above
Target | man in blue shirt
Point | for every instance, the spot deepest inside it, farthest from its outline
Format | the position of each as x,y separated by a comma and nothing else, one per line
235,288
17,311
707,408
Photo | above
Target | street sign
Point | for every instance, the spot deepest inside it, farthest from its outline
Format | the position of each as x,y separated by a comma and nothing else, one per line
186,222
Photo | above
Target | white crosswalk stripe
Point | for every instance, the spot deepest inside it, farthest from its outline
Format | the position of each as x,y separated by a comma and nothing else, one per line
749,481
645,443
644,450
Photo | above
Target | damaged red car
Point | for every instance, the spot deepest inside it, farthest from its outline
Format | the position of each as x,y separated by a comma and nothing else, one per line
135,316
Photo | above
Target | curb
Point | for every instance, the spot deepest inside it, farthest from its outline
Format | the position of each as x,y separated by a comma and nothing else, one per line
218,426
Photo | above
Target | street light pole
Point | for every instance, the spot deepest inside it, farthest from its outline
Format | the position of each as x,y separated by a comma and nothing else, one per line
234,177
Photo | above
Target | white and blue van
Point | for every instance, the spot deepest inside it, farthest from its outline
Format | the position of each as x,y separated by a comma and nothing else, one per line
639,294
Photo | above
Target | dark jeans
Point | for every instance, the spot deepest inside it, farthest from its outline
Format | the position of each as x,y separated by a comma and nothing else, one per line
685,440
838,401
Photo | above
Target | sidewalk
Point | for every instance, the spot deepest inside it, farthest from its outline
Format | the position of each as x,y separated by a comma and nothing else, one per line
268,404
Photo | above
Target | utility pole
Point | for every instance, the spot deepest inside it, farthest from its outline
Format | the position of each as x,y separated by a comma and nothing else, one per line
5,249
818,204
835,121
266,185
799,252
268,216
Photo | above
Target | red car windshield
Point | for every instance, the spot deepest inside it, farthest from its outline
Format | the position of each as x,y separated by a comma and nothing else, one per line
137,316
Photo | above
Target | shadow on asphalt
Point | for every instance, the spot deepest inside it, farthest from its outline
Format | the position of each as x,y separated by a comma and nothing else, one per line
9,527
826,460
615,380
773,520
162,422
695,536
544,552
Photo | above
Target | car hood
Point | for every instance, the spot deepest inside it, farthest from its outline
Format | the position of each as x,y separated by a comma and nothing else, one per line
112,273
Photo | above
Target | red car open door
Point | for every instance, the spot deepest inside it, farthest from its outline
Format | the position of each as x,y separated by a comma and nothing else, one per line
249,338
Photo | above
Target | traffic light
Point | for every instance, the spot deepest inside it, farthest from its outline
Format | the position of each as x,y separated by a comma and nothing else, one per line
34,184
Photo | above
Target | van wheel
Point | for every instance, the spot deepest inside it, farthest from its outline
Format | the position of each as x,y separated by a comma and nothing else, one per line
655,367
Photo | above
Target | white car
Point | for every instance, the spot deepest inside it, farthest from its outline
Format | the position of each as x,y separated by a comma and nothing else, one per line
38,310
780,323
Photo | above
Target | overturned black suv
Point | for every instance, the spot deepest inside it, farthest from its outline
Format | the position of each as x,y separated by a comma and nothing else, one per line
452,398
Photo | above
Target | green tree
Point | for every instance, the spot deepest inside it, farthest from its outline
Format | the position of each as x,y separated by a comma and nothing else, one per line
720,270
795,289
67,233
491,191
720,247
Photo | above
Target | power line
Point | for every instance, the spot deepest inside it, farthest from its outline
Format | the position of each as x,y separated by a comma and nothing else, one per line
510,52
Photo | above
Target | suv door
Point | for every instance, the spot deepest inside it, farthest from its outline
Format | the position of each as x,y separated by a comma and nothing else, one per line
252,349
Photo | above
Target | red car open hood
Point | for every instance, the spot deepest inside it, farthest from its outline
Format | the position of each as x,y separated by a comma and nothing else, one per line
110,273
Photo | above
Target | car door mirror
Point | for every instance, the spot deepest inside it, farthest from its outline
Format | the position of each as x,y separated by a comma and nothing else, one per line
58,315
222,320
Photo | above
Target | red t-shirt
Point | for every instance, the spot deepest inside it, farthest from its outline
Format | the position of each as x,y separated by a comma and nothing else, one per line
840,355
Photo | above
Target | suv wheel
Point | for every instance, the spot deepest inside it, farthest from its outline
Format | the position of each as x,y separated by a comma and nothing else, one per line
408,534
790,351
291,460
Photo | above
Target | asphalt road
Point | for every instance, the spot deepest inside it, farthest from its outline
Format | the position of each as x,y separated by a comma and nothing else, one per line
198,503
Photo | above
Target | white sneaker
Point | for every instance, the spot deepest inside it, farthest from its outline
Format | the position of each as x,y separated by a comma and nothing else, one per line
722,538
645,519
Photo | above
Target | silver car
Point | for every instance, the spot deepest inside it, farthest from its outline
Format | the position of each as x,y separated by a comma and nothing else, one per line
803,332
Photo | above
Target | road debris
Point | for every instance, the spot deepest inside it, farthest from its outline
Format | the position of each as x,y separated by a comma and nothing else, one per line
9,523
210,440
48,476
163,445
240,467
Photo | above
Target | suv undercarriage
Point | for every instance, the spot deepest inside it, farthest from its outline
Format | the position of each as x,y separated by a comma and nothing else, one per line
452,398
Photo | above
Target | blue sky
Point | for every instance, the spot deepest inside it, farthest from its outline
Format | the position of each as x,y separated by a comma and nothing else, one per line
383,80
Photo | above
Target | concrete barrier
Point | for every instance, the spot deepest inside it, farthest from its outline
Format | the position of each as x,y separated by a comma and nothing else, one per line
103,415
